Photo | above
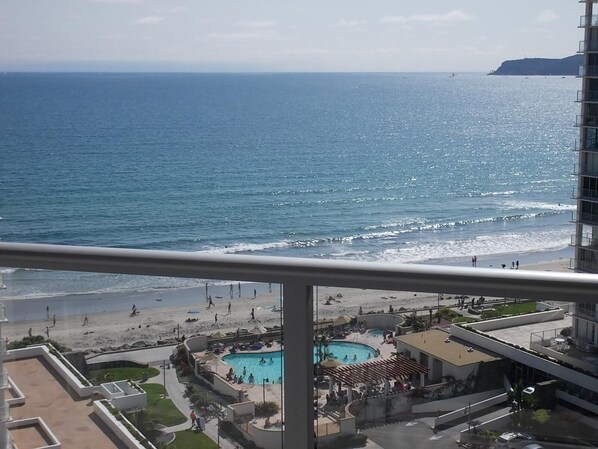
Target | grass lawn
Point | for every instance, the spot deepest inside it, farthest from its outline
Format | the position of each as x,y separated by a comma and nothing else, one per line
99,376
465,319
191,440
161,410
513,309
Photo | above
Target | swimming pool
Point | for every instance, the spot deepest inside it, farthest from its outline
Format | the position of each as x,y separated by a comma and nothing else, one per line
270,367
377,332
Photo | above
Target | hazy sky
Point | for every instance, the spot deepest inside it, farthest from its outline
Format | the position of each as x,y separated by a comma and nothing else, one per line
283,35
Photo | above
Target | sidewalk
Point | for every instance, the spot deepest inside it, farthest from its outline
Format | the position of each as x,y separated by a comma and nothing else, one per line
176,392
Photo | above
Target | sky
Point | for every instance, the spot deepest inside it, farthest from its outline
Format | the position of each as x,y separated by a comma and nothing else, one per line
283,35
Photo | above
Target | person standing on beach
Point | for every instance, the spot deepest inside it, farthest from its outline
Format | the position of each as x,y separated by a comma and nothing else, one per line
85,321
239,285
229,306
254,293
47,331
30,332
54,321
231,291
47,313
252,315
216,319
517,265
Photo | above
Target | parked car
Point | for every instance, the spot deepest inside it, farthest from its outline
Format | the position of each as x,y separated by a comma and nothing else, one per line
514,440
533,446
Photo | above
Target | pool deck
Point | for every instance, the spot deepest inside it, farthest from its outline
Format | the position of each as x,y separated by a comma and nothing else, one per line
273,392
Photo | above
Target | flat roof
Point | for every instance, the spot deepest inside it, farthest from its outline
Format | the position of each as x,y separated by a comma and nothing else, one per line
443,346
70,418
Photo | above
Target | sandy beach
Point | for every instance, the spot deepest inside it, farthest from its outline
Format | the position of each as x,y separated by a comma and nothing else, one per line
160,318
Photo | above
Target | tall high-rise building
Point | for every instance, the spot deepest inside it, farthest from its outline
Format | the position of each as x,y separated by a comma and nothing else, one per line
585,241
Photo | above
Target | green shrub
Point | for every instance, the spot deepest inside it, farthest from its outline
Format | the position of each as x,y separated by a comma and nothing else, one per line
266,409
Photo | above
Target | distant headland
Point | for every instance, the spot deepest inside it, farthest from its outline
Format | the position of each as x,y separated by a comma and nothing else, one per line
541,66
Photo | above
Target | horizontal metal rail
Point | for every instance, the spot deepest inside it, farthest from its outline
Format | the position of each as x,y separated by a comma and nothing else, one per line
385,276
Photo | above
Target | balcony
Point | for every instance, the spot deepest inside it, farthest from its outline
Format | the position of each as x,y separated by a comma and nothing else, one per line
588,46
590,96
585,194
589,146
588,71
586,241
586,120
588,21
297,278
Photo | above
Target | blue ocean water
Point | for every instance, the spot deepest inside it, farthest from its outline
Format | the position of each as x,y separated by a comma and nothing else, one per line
384,167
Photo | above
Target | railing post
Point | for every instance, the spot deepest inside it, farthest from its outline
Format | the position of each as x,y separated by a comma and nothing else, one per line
298,366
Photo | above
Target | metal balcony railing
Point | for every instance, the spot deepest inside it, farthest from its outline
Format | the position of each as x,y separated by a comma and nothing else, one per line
587,96
588,21
587,46
586,120
586,194
591,70
588,146
4,413
298,276
585,170
586,241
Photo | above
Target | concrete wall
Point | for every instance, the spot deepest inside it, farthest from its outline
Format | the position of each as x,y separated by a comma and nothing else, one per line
60,365
18,397
52,441
379,409
475,408
577,401
123,395
518,355
380,321
225,388
240,409
455,403
518,320
196,344
117,427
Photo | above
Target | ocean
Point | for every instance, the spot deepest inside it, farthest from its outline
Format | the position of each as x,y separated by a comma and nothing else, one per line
405,167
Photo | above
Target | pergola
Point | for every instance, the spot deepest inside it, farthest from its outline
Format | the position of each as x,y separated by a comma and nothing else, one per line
375,371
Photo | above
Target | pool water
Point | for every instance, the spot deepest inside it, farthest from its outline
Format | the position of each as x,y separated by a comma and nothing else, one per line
377,332
270,368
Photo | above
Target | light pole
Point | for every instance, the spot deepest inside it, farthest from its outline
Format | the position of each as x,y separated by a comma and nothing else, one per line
469,417
263,389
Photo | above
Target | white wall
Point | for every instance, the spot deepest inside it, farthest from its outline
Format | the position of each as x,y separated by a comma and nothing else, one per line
518,355
118,428
518,320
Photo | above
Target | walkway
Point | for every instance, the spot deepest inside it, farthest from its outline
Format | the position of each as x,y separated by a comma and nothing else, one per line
176,391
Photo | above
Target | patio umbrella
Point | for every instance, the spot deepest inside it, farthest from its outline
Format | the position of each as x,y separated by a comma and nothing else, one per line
258,330
218,335
342,320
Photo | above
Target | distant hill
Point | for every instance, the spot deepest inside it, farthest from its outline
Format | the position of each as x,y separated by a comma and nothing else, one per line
541,66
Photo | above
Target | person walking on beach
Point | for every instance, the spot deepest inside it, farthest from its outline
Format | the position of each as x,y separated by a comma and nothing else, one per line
54,321
517,265
252,315
85,321
239,285
229,306
47,332
30,332
210,302
216,319
47,313
254,293
231,291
